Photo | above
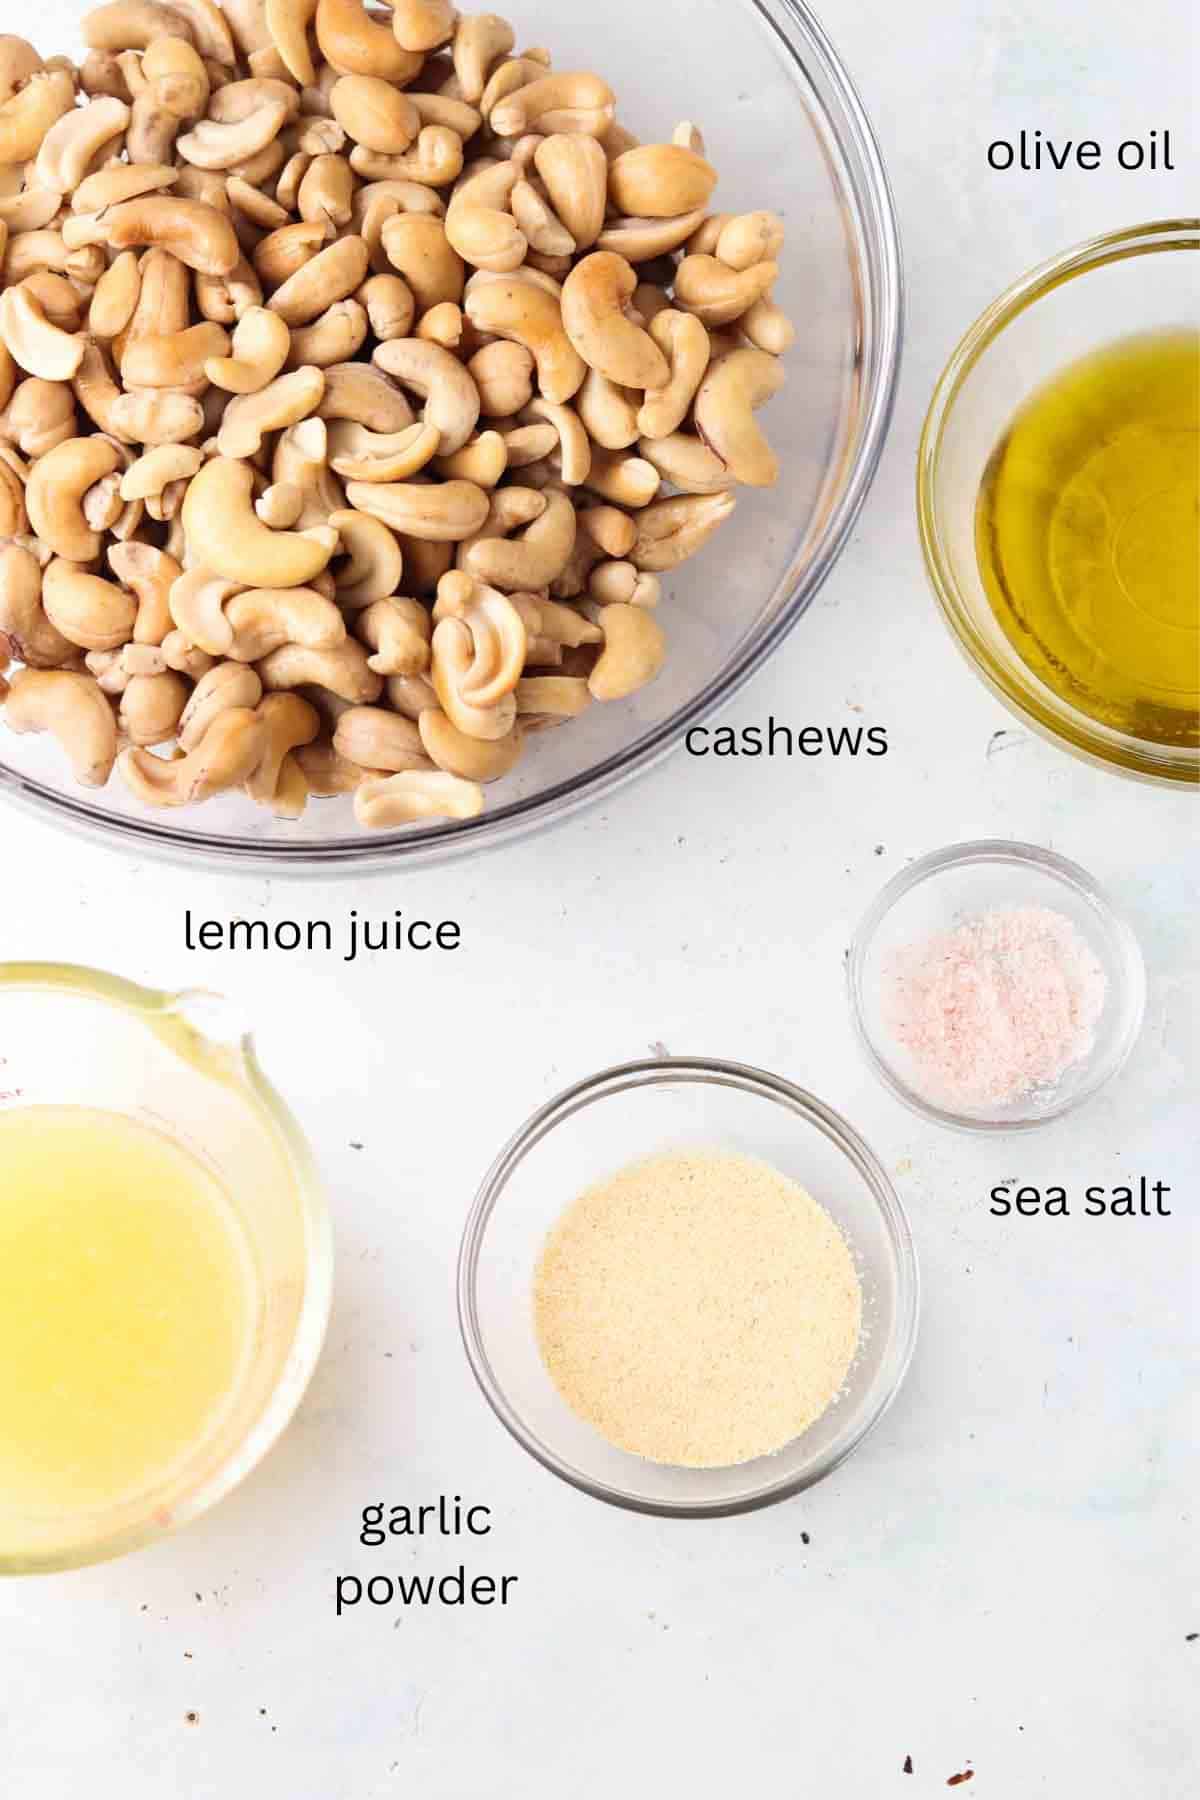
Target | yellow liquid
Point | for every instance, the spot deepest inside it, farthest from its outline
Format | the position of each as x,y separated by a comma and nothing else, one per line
126,1309
1088,536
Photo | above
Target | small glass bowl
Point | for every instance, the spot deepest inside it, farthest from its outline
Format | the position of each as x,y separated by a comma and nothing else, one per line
593,1130
949,886
1140,279
182,1064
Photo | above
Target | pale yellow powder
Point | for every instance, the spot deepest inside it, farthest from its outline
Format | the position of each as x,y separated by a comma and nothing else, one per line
699,1308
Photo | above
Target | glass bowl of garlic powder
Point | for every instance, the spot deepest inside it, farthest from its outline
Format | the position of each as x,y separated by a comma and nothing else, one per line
688,1288
994,986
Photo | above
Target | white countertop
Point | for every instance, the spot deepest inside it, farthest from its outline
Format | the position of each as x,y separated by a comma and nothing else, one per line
1004,1577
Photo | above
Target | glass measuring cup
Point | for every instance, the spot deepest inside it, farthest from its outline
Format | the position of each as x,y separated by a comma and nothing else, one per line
182,1065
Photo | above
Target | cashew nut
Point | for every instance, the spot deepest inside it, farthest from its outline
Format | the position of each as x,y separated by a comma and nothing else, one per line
532,560
725,405
634,652
361,455
73,141
526,314
575,102
453,660
672,530
263,619
717,294
445,513
225,756
86,609
260,346
285,401
593,301
352,42
36,344
227,686
375,738
289,723
343,670
152,706
149,574
55,490
451,397
684,342
575,171
373,560
195,232
473,759
333,274
73,709
226,535
25,631
660,181
418,794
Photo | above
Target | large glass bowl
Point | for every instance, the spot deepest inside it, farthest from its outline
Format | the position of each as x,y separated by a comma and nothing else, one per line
786,130
1137,280
590,1132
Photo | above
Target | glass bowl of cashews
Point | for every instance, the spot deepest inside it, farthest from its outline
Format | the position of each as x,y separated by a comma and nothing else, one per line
382,470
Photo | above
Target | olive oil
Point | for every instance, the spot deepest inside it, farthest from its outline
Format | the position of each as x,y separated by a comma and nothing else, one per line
127,1309
1088,535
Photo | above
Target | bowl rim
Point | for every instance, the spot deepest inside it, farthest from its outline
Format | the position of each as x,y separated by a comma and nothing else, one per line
240,1062
873,231
649,1071
1023,694
1126,957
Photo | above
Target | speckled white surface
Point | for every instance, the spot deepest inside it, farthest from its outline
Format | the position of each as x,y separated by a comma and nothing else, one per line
1004,1578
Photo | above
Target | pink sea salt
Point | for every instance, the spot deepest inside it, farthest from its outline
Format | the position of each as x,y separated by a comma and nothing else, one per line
996,1008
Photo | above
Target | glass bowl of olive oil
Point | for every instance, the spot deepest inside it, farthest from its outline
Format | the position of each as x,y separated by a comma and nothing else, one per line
1058,497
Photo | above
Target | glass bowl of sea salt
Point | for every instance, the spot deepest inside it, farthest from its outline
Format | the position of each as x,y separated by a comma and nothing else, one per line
994,986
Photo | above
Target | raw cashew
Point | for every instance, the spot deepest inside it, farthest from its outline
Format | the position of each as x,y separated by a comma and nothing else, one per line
115,297
443,324
360,455
609,527
417,247
407,799
333,274
398,630
343,670
153,415
40,415
594,297
725,405
226,536
574,449
660,181
359,392
228,686
25,631
86,609
149,574
609,411
285,401
121,181
263,619
575,171
374,738
551,697
289,723
717,294
634,652
373,560
451,397
175,361
445,513
642,240
354,43
288,22
73,709
451,668
435,160
480,42
498,634
229,751
423,24
503,374
532,560
195,232
374,113
390,306
482,459
260,347
624,480
526,314
688,463
26,118
684,342
34,343
327,773
672,530
473,759
196,601
621,582
556,103
152,706
750,238
768,327
54,495
74,140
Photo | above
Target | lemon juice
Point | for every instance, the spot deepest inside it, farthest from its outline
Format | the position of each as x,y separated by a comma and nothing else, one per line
127,1309
1088,535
